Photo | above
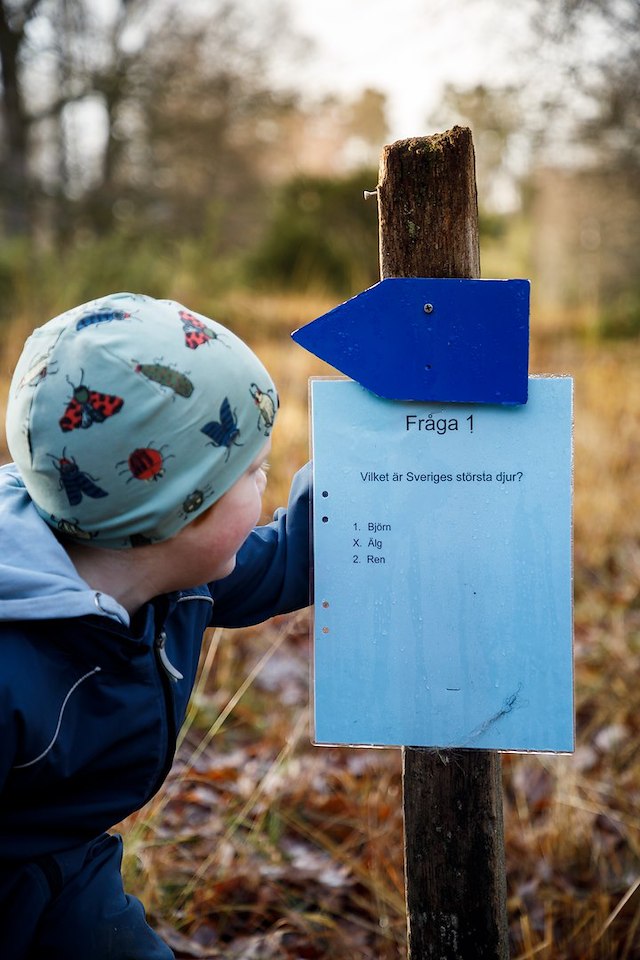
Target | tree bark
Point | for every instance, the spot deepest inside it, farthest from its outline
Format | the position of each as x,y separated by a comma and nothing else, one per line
15,187
428,207
454,835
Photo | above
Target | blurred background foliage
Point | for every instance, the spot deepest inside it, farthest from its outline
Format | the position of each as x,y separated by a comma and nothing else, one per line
140,145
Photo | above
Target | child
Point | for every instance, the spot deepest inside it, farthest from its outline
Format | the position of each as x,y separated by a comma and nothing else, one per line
138,431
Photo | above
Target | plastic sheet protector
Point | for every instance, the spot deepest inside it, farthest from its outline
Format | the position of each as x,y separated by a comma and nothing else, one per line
443,576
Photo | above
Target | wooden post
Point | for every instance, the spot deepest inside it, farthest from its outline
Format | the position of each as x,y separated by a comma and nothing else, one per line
454,837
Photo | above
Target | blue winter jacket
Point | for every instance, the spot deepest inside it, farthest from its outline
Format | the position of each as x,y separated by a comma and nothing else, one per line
90,703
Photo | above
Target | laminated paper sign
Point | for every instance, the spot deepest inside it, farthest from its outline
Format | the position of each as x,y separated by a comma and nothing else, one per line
443,589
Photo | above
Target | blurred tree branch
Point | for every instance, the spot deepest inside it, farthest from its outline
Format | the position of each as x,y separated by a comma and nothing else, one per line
15,118
144,116
598,42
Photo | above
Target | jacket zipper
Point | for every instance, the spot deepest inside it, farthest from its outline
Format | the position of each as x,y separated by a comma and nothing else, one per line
172,672
168,675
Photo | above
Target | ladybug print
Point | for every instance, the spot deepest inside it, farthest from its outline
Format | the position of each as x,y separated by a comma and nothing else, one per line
195,331
145,463
223,433
87,407
103,315
166,377
74,482
267,407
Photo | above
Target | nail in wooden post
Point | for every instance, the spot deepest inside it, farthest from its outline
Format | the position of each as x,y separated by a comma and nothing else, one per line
454,835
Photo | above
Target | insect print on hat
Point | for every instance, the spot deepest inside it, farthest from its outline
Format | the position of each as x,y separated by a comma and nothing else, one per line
166,376
194,501
74,481
223,433
139,540
146,463
36,373
267,407
71,527
101,315
88,406
196,332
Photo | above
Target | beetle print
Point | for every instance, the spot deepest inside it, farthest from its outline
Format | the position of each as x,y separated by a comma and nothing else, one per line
87,407
267,407
145,463
193,501
223,433
166,376
74,481
196,332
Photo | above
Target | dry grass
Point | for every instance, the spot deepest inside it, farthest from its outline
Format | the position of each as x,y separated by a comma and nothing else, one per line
263,846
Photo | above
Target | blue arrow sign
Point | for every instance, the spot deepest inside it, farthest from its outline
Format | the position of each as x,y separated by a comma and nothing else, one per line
440,340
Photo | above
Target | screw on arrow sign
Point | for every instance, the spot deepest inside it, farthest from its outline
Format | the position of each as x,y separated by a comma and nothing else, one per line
437,340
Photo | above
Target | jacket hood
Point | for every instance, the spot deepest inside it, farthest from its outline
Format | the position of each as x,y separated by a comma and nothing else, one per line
38,581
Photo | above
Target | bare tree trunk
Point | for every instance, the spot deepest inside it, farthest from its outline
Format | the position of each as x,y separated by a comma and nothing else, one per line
15,187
